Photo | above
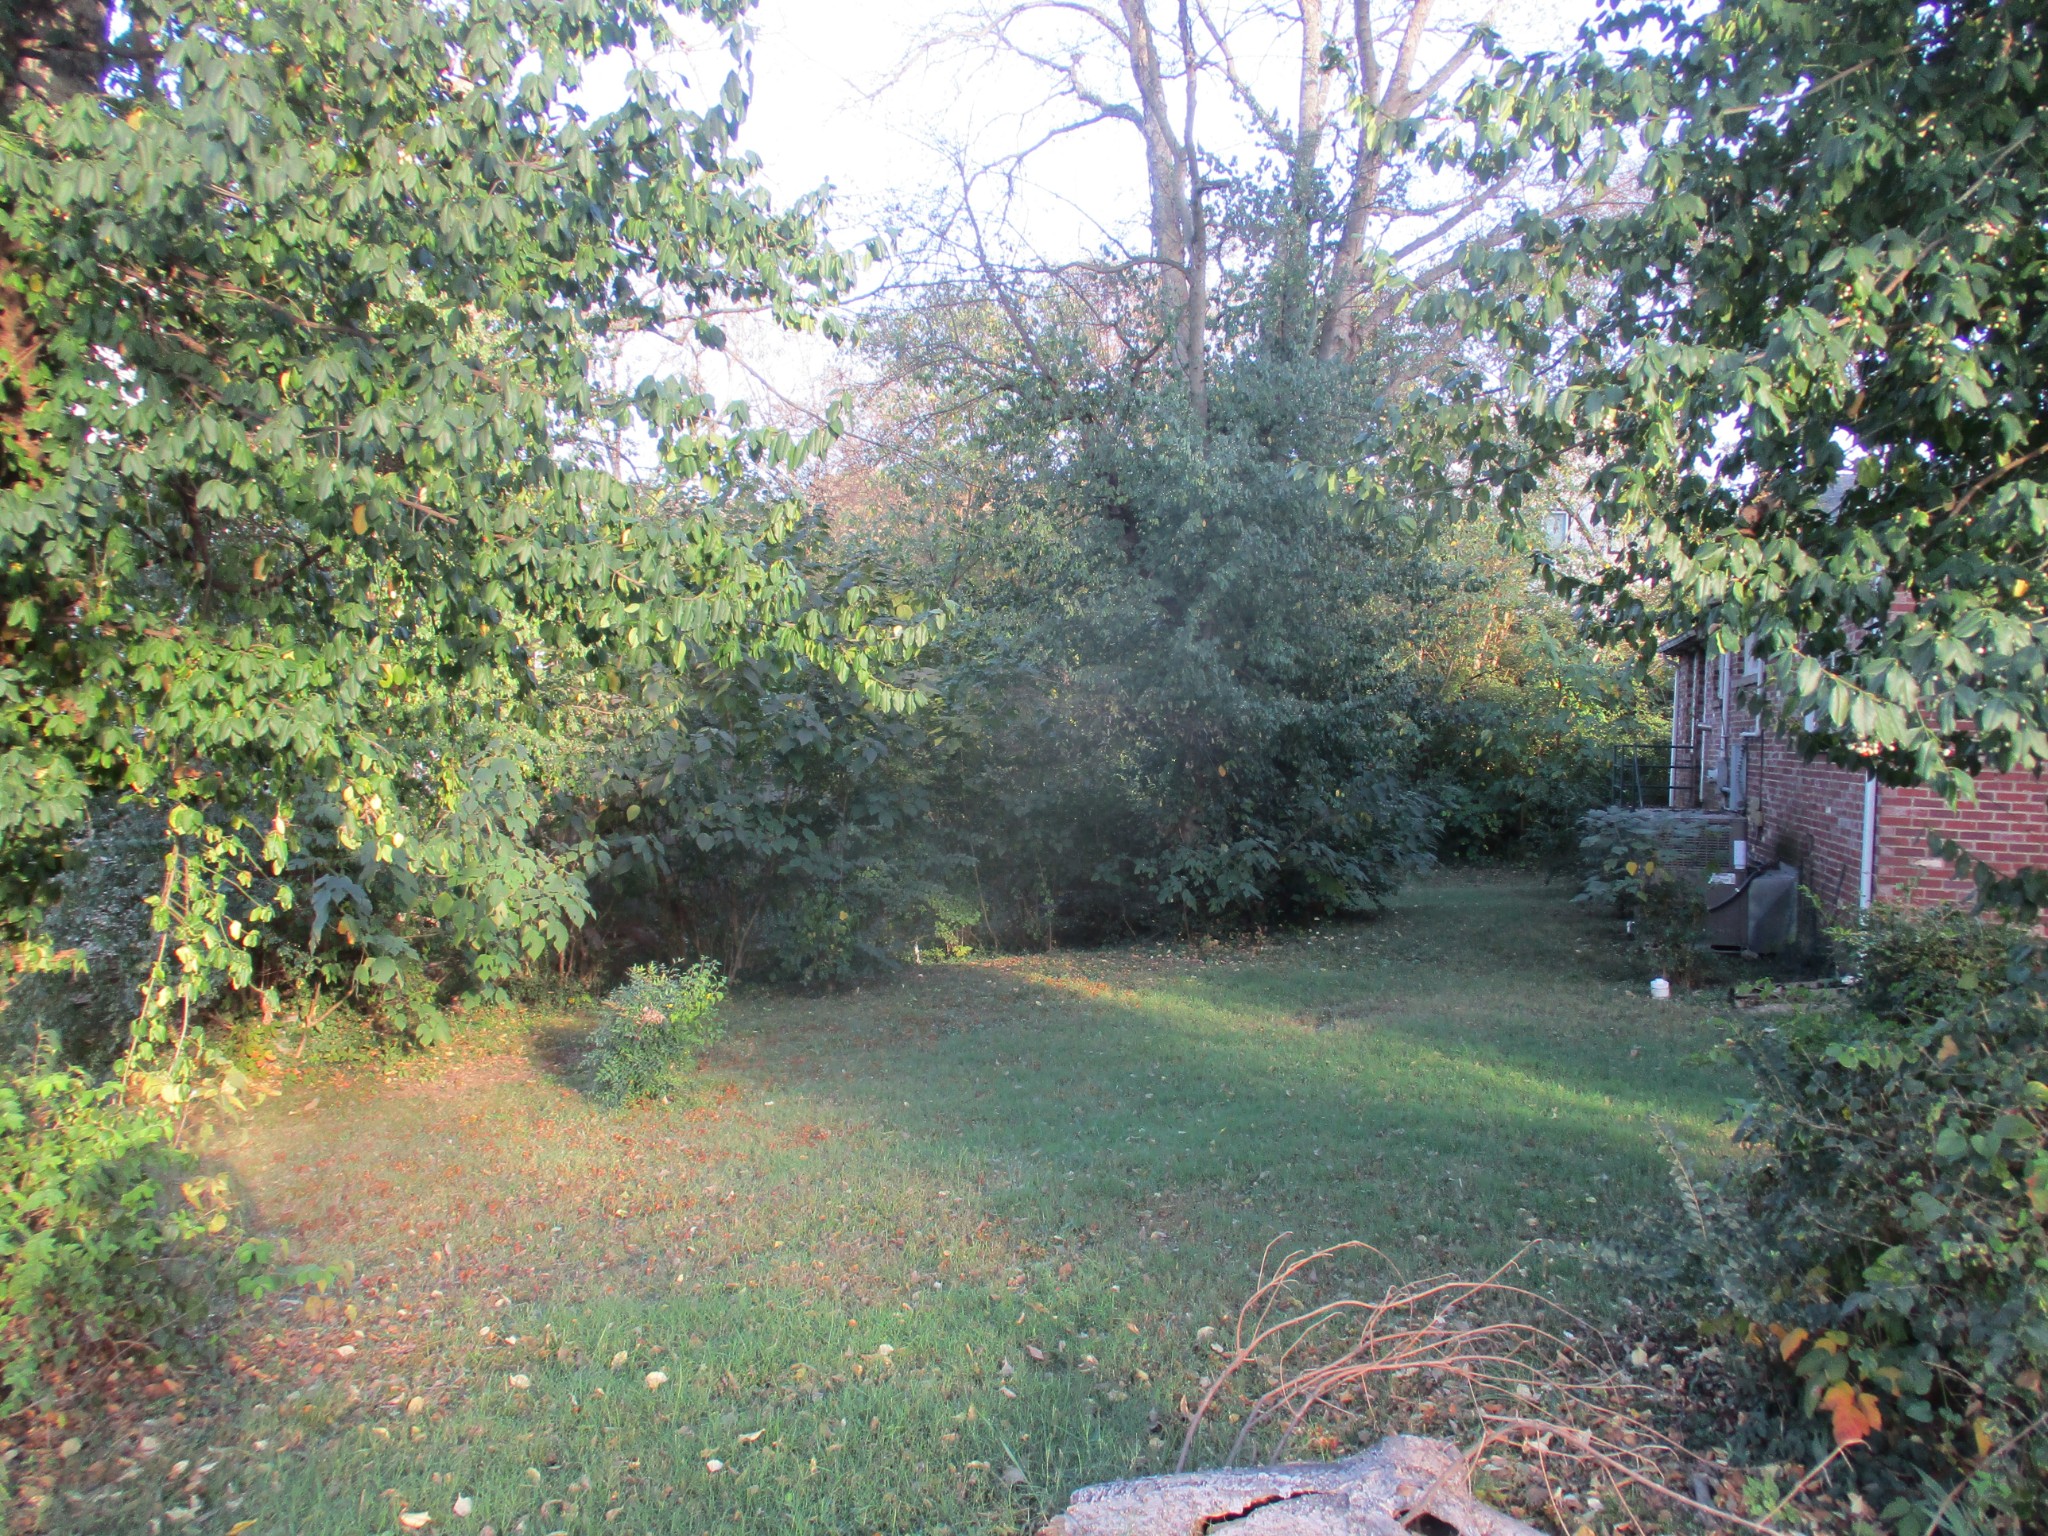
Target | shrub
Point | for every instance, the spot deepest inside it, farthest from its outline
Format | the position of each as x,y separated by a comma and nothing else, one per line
1632,873
655,1023
1888,1252
1914,966
82,1238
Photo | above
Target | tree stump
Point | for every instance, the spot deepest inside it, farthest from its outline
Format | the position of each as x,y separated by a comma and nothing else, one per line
1402,1485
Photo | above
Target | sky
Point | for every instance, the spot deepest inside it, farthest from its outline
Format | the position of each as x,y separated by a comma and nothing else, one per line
882,101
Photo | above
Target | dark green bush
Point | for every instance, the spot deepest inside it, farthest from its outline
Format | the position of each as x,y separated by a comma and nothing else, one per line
1915,966
1888,1252
655,1023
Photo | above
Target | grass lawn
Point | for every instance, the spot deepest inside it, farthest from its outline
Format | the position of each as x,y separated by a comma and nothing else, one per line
933,1253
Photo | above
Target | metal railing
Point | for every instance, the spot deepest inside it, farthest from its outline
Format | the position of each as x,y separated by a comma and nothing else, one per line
1655,775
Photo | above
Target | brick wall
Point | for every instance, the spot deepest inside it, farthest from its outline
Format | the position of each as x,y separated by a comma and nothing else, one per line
1807,814
2006,826
1811,815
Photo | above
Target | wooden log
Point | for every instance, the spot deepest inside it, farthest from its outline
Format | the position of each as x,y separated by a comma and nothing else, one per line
1403,1486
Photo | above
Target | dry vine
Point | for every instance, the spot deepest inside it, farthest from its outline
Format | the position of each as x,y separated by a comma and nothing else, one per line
1516,1365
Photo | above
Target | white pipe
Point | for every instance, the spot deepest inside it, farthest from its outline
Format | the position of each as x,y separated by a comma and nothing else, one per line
1866,887
1671,768
1727,738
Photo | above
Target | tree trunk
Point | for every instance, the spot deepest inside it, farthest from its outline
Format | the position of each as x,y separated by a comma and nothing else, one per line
1402,1484
1165,156
1388,95
1195,308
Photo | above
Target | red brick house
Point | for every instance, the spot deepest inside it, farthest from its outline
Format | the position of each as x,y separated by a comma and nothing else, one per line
1853,840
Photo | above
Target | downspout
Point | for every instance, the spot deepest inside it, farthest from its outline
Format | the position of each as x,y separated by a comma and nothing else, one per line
1866,887
1727,771
1671,766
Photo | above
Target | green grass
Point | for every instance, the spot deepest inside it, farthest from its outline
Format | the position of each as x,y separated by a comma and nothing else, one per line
841,1260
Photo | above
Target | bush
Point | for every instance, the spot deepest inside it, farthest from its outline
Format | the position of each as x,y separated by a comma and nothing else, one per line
655,1023
1888,1253
1914,966
82,1237
1640,880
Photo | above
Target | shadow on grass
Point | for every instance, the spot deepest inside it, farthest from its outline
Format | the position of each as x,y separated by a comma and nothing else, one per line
561,1053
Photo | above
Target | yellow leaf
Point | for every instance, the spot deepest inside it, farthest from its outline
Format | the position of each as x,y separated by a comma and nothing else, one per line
1788,1346
1949,1050
1631,866
1985,1439
360,522
240,1526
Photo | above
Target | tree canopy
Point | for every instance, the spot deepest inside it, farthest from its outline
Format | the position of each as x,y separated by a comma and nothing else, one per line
301,470
1799,349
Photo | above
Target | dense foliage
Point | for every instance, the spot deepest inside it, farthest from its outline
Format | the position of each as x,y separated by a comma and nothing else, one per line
1190,686
1889,1251
302,504
1526,727
1793,327
82,1241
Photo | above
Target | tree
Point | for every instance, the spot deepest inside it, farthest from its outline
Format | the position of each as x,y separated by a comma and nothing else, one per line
298,505
1807,365
1337,222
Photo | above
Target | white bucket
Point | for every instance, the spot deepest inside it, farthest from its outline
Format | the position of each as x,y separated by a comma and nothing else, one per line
1660,989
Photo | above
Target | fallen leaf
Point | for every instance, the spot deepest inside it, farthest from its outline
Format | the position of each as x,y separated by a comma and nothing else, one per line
656,1380
714,1465
464,1507
619,1359
415,1519
520,1381
346,1351
750,1438
1036,1353
70,1447
416,1407
240,1526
